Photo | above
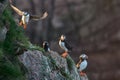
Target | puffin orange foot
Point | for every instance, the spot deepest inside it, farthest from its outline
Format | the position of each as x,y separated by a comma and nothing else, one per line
64,54
24,26
20,23
82,74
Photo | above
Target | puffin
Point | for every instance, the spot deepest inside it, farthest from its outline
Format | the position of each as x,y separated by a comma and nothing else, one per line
26,17
64,45
46,46
82,64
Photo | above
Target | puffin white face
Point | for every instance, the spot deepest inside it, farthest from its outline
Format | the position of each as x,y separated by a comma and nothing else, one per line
83,56
45,43
62,37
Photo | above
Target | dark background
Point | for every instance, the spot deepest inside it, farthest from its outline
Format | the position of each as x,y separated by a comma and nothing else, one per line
91,27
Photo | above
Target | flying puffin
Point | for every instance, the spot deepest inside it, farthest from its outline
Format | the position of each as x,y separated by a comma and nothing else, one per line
46,46
64,45
82,64
26,17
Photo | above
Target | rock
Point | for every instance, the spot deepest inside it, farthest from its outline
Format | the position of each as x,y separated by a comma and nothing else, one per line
49,66
3,32
84,77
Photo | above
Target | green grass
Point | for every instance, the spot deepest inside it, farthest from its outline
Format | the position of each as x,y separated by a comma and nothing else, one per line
15,41
2,1
10,67
8,70
70,63
65,74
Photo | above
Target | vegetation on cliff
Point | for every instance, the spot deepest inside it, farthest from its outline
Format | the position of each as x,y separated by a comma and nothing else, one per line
12,42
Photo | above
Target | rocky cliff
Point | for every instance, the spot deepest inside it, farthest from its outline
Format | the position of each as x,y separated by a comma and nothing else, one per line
49,66
21,60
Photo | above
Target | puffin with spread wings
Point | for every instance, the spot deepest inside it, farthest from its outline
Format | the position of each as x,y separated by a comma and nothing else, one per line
26,17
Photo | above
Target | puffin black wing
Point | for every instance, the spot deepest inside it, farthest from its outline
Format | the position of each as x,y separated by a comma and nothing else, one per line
68,46
46,46
38,17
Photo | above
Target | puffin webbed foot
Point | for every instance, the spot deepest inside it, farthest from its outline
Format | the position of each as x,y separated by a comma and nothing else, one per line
65,54
82,74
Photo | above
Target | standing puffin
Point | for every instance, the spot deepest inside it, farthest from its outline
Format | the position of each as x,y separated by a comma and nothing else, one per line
26,17
46,46
64,45
82,64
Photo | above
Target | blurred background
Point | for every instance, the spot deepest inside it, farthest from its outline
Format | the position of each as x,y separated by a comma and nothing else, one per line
91,27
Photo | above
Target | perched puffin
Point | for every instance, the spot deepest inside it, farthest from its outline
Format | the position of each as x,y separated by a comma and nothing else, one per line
26,17
64,45
82,64
46,46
